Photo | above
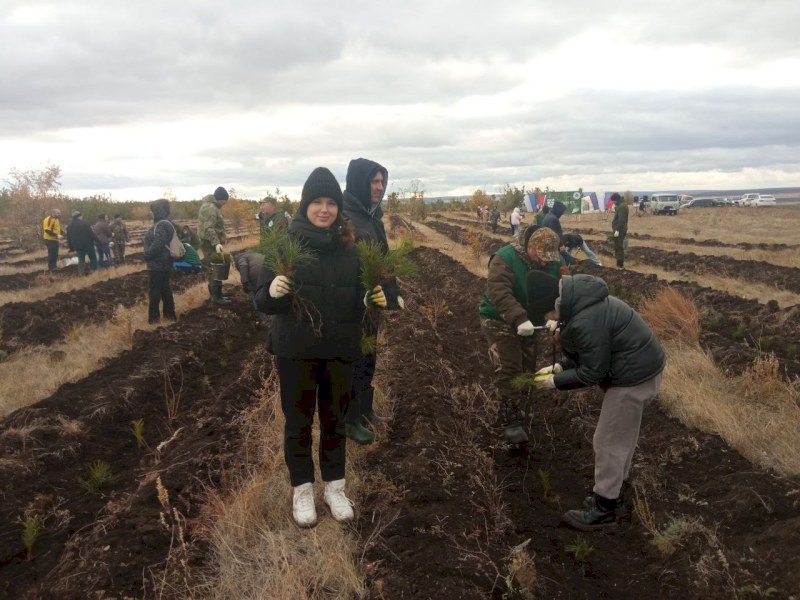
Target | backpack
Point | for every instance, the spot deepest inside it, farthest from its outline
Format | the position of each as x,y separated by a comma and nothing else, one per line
175,246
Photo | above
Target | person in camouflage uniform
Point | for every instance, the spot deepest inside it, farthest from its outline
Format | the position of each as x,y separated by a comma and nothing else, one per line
211,233
620,226
505,320
120,238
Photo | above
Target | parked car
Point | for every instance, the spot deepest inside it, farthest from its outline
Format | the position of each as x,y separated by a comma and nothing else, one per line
664,204
701,203
747,199
764,200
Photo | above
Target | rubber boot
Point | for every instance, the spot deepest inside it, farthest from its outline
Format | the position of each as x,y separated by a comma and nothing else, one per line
354,423
215,289
366,400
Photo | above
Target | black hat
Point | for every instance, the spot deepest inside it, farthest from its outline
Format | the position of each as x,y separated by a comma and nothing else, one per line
220,194
615,197
542,294
320,184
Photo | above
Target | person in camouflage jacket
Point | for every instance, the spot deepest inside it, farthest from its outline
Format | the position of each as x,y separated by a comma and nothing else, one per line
211,234
120,238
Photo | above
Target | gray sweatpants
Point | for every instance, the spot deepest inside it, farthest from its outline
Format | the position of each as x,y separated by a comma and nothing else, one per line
617,433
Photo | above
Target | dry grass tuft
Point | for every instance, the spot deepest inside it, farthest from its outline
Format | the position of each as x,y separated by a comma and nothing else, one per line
756,413
672,316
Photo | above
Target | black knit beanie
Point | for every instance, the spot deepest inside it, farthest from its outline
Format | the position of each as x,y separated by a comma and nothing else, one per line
320,184
542,294
220,194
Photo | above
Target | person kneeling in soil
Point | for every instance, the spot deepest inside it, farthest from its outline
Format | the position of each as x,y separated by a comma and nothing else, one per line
159,263
315,336
505,320
249,265
606,343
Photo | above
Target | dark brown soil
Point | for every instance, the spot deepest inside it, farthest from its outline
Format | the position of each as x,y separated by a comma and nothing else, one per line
450,473
112,544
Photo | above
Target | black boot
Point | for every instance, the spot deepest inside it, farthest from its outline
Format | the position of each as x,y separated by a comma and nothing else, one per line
354,423
366,399
215,289
597,514
515,434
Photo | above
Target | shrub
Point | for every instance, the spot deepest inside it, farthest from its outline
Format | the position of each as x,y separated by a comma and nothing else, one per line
739,332
672,316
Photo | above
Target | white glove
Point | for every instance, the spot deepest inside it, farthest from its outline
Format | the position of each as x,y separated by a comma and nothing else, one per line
544,382
526,329
61,237
556,368
551,326
616,234
280,286
110,244
375,297
401,303
218,248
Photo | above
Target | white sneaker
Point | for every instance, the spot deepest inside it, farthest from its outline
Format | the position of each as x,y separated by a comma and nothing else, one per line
303,511
340,505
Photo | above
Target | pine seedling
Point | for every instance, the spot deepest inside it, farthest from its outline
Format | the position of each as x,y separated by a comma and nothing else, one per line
31,529
283,254
377,266
369,344
100,475
138,432
580,548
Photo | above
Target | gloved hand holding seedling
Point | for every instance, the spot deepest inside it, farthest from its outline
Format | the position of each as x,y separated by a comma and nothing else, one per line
280,286
375,297
556,368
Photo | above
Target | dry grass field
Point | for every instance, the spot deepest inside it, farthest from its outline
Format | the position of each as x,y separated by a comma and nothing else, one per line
146,462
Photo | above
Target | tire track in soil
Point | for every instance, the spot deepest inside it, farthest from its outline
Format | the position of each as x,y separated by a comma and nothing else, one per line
440,544
216,360
732,327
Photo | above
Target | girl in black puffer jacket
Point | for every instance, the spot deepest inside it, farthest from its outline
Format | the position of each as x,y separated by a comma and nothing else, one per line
315,338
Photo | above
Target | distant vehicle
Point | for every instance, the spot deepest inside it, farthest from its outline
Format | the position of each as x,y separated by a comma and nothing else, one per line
701,203
747,199
664,204
764,200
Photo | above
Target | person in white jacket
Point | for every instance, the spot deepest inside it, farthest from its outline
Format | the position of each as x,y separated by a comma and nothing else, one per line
516,221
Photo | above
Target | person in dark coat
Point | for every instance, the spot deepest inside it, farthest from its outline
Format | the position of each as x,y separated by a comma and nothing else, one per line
366,184
605,343
81,239
104,234
315,336
574,240
620,226
249,265
553,218
159,263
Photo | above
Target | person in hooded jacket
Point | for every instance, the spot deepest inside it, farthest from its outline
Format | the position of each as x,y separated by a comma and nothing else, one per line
366,183
315,336
505,319
605,343
159,263
81,239
552,219
516,221
620,225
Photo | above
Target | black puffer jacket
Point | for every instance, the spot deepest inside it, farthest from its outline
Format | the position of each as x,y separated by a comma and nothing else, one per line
358,201
606,342
325,320
156,240
552,218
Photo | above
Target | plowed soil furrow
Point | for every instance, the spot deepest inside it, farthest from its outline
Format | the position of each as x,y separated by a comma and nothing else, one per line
42,323
464,499
114,543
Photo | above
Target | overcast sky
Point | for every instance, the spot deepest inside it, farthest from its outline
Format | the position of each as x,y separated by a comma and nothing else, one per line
132,99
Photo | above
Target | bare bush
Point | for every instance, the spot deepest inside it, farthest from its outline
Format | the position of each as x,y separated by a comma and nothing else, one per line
672,316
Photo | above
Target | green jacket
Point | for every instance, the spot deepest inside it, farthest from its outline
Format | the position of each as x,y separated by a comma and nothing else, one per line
620,221
506,295
210,225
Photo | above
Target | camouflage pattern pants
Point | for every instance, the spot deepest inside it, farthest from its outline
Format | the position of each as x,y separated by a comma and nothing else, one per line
510,355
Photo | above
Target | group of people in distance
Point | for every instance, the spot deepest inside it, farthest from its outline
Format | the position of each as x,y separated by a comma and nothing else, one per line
103,243
531,303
